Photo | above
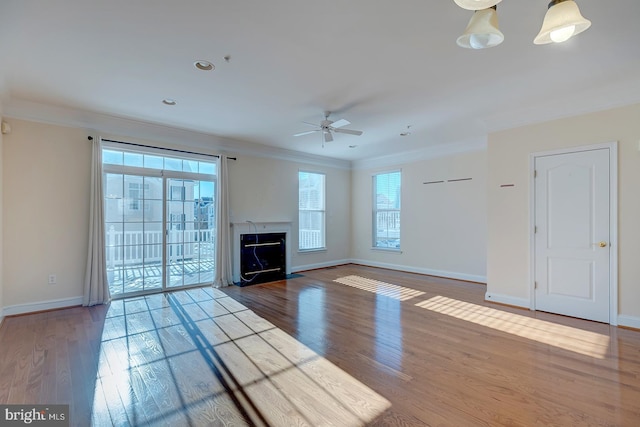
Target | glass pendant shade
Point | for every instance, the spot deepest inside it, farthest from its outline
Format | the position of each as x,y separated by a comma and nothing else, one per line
482,31
562,21
476,4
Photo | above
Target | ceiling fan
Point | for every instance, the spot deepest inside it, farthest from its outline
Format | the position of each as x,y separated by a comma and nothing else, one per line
328,126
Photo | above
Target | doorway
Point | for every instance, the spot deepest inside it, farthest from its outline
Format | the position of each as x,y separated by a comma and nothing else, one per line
574,233
159,221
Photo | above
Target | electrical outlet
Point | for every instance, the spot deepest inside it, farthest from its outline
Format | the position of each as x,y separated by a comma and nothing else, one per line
52,279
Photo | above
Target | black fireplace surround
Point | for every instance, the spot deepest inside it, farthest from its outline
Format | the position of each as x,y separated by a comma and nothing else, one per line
262,258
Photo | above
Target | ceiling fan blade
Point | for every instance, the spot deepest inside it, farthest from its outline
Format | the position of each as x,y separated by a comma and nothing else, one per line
306,133
340,123
349,131
327,136
311,124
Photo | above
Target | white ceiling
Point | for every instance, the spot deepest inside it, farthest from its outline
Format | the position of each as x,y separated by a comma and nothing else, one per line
382,65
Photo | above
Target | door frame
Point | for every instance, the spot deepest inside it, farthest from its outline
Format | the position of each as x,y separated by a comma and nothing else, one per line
613,220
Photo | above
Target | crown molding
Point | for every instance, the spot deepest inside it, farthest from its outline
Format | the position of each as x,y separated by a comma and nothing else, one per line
615,94
427,153
130,128
125,128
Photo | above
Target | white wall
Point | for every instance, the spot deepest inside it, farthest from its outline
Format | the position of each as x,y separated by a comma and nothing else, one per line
508,236
46,194
443,226
265,189
46,176
1,222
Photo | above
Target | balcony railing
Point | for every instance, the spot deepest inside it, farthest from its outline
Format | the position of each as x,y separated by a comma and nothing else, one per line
388,229
138,247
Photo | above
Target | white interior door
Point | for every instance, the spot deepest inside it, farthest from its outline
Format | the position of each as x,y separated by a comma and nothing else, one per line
572,236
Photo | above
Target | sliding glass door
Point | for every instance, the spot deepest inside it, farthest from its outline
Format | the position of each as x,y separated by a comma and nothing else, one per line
190,239
159,221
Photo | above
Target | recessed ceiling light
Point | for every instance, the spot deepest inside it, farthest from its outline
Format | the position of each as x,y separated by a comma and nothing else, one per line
203,65
169,101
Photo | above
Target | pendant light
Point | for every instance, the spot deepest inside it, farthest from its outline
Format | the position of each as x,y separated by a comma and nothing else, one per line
476,4
482,31
562,21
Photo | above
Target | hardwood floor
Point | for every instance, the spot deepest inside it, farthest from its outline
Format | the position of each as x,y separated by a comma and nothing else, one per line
342,346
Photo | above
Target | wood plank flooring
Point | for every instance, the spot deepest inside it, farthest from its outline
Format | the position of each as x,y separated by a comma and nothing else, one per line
345,346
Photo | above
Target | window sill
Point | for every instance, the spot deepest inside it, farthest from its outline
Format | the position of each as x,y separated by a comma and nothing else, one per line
393,250
306,251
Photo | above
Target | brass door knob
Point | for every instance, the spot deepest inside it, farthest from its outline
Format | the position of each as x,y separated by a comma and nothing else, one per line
602,244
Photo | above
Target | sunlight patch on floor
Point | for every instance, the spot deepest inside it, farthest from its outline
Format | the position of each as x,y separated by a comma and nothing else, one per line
211,360
381,288
577,340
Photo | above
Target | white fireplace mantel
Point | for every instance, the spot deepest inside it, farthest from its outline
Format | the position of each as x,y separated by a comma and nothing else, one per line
240,228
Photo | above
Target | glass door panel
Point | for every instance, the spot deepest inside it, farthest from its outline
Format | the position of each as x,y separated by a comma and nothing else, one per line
190,227
175,215
160,231
134,236
206,229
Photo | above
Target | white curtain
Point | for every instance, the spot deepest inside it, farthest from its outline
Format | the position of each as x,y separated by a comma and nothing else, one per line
96,286
223,233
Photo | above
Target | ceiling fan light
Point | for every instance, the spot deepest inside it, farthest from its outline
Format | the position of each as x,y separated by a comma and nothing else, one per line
476,4
482,31
562,21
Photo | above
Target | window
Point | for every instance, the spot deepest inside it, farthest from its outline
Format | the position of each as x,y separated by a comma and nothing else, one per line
311,211
386,210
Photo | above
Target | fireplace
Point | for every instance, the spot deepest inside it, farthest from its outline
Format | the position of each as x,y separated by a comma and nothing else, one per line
261,251
262,258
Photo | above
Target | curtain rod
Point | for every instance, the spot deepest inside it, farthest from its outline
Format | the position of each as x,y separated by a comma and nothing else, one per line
90,138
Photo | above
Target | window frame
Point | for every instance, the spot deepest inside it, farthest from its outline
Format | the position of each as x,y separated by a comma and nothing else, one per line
376,210
138,192
323,211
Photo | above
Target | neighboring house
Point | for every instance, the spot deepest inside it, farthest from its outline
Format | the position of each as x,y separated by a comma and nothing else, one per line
204,213
133,212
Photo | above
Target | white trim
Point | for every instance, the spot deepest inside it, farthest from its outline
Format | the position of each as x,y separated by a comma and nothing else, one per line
13,310
506,299
114,127
425,271
532,227
613,220
629,321
383,249
615,94
430,152
315,266
613,232
311,251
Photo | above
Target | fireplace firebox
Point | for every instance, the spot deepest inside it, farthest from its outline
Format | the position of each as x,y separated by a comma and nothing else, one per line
262,258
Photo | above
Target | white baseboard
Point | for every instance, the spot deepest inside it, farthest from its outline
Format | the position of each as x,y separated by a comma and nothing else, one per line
319,265
427,271
12,310
629,321
506,299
